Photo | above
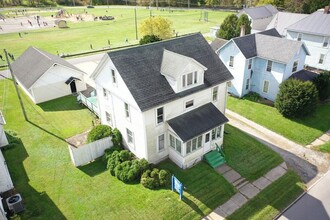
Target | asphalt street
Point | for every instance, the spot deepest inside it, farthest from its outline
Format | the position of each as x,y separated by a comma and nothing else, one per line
314,205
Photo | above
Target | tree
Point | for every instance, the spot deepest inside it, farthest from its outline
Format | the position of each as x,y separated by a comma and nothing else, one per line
99,132
243,21
296,98
212,2
322,83
201,2
266,2
228,27
238,3
310,6
158,26
149,39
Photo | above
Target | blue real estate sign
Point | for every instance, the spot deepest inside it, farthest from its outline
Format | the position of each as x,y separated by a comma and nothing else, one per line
177,186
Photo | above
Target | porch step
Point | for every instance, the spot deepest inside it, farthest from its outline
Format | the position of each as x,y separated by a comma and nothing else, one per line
240,183
214,159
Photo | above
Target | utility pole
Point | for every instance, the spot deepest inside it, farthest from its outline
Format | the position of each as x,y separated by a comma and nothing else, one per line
136,33
15,84
188,4
157,4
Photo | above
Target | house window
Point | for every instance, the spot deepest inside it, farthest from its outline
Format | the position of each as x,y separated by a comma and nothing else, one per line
113,74
215,94
247,84
108,118
250,64
130,136
161,145
269,65
189,79
175,143
299,37
216,132
231,61
160,115
127,113
326,42
194,144
295,66
190,104
266,86
321,60
105,93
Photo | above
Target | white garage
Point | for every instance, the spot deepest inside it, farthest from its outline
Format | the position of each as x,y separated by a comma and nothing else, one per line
44,76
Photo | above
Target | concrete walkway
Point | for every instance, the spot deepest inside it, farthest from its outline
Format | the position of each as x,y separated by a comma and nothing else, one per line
321,140
309,164
246,190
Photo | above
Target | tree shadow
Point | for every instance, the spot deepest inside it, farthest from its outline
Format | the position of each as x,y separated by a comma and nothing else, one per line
94,168
48,132
66,103
37,204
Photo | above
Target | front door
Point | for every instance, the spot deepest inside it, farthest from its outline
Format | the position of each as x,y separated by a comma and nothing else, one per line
73,86
207,142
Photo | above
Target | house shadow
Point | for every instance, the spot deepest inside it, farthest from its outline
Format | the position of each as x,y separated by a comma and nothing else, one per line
37,204
94,168
66,103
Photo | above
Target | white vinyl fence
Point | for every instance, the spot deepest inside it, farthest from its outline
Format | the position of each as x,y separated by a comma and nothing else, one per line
89,152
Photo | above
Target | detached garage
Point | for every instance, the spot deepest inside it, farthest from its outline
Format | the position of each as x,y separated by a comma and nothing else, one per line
44,76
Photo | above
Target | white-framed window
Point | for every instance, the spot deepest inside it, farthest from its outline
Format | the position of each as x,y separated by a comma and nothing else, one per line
189,79
247,86
175,143
216,132
265,86
130,136
108,118
229,84
326,42
250,64
161,142
189,103
127,112
194,144
299,37
215,94
231,61
321,60
160,115
295,66
113,75
269,66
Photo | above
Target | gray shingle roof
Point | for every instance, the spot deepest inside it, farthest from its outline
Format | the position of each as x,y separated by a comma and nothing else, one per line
217,43
304,75
260,12
140,69
316,23
33,63
197,121
268,46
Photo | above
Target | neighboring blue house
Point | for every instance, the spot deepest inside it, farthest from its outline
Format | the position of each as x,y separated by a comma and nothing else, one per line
261,62
314,31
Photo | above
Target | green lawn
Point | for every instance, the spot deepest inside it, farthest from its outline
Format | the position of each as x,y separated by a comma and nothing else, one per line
52,188
302,131
79,36
325,147
272,200
247,156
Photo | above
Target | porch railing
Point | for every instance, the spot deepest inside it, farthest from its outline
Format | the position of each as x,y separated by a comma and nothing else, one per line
88,103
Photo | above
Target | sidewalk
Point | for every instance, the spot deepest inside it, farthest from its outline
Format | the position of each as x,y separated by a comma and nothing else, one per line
309,164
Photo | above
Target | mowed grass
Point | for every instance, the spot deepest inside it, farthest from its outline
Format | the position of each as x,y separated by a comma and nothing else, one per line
79,36
272,200
52,188
302,131
325,147
247,156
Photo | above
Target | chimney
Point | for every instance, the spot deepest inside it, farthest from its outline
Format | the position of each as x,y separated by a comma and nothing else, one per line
326,10
242,31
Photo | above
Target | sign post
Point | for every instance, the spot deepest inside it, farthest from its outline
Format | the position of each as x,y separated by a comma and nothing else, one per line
177,186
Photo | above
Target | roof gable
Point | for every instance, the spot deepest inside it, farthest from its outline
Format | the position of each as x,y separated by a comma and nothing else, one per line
140,68
33,63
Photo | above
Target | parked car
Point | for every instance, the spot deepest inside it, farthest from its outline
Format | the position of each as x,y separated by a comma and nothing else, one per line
90,6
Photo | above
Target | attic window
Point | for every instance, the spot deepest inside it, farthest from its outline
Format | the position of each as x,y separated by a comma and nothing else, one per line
295,66
231,61
189,79
326,42
299,37
269,65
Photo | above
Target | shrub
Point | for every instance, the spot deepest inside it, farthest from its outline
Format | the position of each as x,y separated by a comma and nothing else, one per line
113,161
109,151
149,39
155,178
252,96
116,137
128,171
125,155
322,83
99,132
296,98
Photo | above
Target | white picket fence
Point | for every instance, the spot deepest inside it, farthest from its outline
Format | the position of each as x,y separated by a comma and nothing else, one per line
89,152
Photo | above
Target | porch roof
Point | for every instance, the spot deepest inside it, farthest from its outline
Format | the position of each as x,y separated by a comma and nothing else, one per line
197,121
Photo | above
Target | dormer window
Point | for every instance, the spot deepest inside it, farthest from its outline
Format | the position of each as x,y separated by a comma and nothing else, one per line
189,79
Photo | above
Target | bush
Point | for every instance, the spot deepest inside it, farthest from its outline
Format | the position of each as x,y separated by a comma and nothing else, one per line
155,178
129,171
149,39
116,137
252,96
322,83
109,151
296,98
99,132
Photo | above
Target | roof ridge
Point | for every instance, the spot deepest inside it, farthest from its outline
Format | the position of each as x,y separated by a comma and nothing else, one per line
42,52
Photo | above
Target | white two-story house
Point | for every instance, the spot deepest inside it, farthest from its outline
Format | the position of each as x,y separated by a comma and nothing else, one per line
167,98
314,31
261,62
